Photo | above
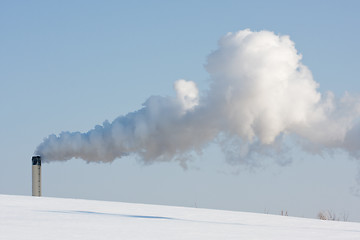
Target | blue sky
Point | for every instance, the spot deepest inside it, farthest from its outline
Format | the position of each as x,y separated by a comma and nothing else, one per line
67,66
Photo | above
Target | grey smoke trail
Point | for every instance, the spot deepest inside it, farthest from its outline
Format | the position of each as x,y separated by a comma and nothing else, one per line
259,93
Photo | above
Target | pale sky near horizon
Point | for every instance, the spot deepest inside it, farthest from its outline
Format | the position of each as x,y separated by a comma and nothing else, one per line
69,65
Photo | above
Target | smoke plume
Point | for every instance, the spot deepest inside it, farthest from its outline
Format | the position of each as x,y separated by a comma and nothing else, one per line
259,94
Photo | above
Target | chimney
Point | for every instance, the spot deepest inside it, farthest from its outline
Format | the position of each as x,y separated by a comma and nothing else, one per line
36,176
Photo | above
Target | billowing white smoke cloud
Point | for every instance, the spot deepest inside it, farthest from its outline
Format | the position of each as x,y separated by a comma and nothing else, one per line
259,93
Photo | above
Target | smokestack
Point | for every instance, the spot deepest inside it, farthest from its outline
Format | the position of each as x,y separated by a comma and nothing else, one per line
36,176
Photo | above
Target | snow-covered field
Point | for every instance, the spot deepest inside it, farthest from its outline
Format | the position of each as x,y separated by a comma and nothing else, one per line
25,217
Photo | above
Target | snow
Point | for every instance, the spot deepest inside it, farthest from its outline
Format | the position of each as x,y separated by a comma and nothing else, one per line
25,217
